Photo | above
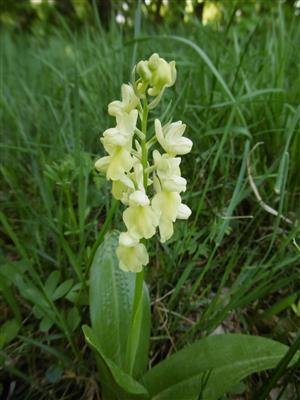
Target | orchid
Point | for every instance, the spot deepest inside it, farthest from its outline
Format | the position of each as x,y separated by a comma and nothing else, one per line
132,254
150,190
168,207
140,218
128,103
144,164
170,138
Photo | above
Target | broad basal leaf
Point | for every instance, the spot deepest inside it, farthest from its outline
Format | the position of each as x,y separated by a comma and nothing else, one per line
210,367
111,300
121,384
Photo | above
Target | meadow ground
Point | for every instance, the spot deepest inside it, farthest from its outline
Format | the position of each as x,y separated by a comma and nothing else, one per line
232,267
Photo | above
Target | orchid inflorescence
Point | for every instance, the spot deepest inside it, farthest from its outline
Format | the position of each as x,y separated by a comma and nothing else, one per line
151,191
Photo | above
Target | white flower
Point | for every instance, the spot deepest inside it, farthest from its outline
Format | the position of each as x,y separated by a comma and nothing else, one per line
170,138
122,188
139,218
166,165
132,255
116,164
126,123
127,166
168,171
118,144
168,208
122,134
112,138
128,103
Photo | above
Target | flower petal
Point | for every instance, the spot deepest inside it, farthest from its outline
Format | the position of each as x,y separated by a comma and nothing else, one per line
183,212
139,198
165,204
131,254
128,103
159,133
120,162
141,221
166,229
102,164
126,123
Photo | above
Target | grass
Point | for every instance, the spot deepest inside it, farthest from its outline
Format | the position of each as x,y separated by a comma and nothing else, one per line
232,267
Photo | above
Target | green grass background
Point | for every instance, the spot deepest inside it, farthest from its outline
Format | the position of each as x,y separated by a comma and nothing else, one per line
231,267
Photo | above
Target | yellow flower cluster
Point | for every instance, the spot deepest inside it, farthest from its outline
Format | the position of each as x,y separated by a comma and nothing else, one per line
150,192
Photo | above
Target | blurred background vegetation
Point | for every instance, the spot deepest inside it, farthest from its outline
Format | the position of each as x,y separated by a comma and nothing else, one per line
39,16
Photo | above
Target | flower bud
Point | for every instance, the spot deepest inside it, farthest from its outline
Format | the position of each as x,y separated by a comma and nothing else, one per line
164,74
156,73
143,70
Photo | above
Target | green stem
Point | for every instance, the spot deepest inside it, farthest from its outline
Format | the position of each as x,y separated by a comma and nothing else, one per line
143,144
133,337
138,291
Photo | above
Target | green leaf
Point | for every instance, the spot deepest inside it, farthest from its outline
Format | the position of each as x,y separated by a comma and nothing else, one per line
121,384
10,298
78,295
52,282
11,270
211,367
62,289
111,302
8,331
45,324
73,318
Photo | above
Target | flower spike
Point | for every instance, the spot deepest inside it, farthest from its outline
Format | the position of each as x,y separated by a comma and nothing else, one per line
150,191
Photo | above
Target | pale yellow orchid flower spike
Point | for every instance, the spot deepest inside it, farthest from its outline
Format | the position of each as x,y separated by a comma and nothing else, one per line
151,191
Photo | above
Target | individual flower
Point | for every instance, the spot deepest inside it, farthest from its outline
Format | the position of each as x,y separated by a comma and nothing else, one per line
168,171
128,103
118,143
122,134
170,138
116,164
126,123
132,255
168,208
122,188
139,218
